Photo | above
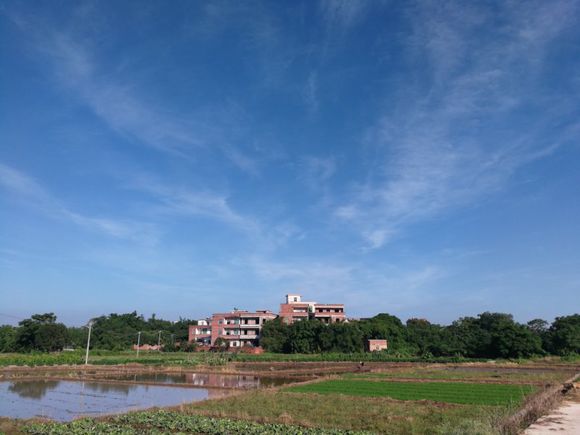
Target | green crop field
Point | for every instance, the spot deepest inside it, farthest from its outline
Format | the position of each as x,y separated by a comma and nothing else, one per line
450,392
520,376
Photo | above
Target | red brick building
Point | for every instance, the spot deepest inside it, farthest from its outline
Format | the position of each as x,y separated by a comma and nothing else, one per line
238,328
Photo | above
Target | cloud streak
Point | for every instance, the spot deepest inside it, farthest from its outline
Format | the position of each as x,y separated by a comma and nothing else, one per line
452,145
29,191
112,95
183,201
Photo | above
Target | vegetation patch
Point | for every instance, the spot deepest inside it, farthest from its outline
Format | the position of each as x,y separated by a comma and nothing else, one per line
161,421
115,358
462,393
445,373
374,414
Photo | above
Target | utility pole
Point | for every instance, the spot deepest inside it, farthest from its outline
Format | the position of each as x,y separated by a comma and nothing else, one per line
159,342
88,342
138,342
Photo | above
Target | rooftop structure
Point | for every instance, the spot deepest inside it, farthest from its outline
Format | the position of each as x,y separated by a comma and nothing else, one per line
295,310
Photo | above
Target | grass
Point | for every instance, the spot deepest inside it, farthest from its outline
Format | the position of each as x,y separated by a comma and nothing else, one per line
374,414
270,411
463,393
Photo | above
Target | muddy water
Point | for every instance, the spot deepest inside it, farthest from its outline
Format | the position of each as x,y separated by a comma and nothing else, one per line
66,400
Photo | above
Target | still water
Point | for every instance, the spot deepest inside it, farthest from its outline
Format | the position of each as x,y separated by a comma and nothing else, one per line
204,379
66,400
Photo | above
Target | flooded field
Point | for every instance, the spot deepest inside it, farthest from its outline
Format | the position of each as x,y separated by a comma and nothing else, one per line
61,399
66,400
210,380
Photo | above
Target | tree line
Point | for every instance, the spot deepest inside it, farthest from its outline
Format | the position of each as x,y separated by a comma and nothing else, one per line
489,335
42,333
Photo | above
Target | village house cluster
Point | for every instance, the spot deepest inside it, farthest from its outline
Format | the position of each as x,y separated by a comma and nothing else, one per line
240,328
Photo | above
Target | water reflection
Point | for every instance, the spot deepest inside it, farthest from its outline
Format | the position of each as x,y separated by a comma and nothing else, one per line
103,387
209,380
32,389
65,400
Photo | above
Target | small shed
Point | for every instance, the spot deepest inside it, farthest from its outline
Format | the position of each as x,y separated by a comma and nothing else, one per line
376,345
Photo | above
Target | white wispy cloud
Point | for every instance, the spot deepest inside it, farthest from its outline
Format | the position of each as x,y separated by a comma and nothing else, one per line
181,200
28,190
452,146
116,103
113,95
186,201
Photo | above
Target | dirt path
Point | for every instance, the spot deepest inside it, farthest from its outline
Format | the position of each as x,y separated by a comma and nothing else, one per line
564,420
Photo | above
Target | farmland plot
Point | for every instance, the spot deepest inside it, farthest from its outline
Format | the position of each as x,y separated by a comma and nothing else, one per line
462,393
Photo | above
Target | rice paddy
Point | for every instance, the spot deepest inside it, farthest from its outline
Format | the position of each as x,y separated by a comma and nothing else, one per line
448,392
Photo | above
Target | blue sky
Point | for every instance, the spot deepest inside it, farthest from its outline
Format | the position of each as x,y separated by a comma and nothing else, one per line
180,158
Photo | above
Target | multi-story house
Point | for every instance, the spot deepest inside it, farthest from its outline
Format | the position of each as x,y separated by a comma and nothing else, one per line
238,328
200,333
295,310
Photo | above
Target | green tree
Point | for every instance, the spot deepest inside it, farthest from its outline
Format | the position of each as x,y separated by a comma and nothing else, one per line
119,331
275,336
305,336
41,333
386,326
7,337
347,337
77,337
539,328
494,335
425,337
565,335
467,337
